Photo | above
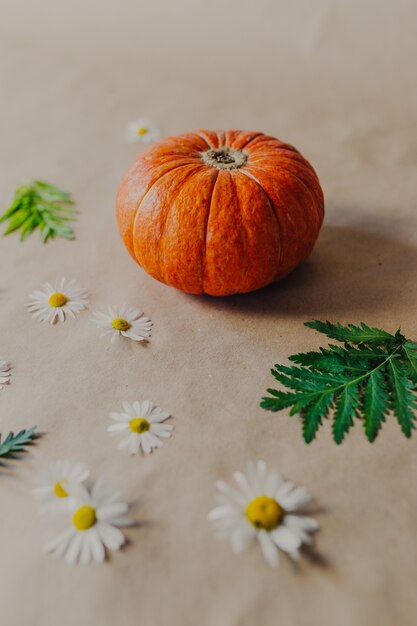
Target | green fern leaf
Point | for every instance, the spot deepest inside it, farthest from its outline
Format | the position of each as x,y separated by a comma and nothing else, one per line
372,373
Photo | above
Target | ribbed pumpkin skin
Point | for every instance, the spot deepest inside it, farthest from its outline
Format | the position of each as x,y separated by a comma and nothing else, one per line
219,231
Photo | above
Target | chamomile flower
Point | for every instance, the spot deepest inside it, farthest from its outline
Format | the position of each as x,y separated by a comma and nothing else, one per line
142,131
124,321
141,426
54,483
53,303
263,507
4,373
89,525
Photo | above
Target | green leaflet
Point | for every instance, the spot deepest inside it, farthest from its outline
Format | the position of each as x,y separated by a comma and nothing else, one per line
40,205
376,404
17,443
373,373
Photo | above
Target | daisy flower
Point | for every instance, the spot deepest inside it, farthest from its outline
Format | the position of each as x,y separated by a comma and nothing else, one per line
89,525
263,507
126,321
56,481
142,131
141,425
4,373
52,303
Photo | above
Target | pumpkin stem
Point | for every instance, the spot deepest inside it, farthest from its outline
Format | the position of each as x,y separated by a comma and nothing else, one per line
224,158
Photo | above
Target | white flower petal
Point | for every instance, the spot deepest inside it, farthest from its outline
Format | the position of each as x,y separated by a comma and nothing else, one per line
108,511
244,486
222,512
241,536
261,476
62,539
145,443
128,408
269,550
74,549
285,539
234,495
146,408
85,551
96,546
154,441
116,427
301,526
112,537
295,499
272,483
120,417
162,430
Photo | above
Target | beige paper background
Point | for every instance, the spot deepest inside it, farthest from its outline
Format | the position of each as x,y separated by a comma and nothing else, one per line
338,80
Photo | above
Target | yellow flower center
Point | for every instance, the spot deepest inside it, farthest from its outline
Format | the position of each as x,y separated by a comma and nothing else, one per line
142,131
139,425
59,490
84,517
57,299
264,512
119,323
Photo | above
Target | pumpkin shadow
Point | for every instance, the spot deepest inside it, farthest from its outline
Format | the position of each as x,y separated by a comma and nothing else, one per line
350,269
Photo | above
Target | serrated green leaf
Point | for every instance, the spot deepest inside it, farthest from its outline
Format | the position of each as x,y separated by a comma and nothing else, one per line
403,400
366,377
322,377
324,360
376,404
313,414
280,400
410,353
351,333
346,405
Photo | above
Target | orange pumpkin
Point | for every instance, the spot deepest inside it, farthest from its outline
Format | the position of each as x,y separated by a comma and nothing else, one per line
219,212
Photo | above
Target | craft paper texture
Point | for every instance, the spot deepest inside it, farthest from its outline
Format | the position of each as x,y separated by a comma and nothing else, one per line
337,79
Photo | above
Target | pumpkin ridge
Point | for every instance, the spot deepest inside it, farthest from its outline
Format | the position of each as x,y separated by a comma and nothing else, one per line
247,143
136,211
267,141
203,260
209,144
304,164
298,204
274,213
197,134
242,226
317,202
191,175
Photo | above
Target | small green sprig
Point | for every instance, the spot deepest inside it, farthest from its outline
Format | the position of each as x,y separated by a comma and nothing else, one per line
40,205
17,443
374,373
